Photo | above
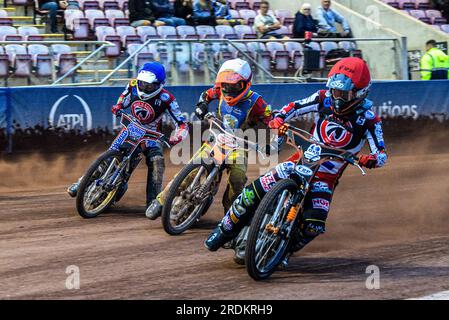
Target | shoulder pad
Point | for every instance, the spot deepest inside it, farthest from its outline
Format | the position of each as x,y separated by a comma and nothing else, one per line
164,96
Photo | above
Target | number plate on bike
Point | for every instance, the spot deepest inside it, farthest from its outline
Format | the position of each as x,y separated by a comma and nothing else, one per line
135,133
304,171
227,140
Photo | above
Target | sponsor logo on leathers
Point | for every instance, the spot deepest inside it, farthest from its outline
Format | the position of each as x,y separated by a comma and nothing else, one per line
334,134
142,111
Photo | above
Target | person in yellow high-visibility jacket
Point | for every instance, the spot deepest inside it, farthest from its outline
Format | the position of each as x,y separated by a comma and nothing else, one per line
434,64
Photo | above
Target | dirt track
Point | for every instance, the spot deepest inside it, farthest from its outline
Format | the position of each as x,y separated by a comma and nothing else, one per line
394,218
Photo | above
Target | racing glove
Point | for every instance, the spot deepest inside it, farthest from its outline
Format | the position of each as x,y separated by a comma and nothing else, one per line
201,109
368,161
116,108
180,134
276,123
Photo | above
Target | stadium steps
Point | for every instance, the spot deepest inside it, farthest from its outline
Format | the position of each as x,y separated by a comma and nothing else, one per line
21,18
91,71
39,26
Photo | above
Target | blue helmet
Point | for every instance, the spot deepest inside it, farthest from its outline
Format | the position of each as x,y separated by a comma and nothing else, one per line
150,80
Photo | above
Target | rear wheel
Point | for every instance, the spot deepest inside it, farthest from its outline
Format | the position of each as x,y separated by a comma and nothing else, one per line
267,242
184,204
92,198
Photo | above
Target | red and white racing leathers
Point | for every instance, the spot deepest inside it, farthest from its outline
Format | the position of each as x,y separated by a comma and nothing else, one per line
349,133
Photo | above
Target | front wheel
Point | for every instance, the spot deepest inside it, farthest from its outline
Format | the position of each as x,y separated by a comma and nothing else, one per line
185,202
268,239
92,198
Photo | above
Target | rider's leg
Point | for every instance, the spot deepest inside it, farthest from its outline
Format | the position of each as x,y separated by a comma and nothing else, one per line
245,205
156,166
316,209
236,182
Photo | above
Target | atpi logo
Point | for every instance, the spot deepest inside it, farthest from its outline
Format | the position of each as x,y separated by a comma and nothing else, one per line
73,120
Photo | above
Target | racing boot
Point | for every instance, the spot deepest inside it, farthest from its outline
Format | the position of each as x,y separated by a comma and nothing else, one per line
217,238
299,242
154,210
72,190
239,255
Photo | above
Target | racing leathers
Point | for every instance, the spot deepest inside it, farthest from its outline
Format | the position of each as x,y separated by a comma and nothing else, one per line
349,133
150,112
249,111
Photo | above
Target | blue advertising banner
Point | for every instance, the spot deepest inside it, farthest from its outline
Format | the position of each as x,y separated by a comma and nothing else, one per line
88,108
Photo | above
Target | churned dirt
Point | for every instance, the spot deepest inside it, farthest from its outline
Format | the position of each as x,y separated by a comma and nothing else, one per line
395,218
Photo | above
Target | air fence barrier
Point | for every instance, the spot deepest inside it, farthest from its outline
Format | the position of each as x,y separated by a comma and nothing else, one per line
89,108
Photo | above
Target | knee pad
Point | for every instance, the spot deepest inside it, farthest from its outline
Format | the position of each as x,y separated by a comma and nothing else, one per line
237,180
314,222
156,168
236,216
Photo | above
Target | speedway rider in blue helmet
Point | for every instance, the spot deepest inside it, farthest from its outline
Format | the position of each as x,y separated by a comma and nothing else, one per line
148,101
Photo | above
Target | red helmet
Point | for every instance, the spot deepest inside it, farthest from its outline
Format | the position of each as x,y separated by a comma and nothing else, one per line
348,82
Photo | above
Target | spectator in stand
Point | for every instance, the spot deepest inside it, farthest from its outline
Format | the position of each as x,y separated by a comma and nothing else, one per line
267,24
304,22
434,63
140,14
52,6
222,14
164,11
184,10
204,13
443,6
328,19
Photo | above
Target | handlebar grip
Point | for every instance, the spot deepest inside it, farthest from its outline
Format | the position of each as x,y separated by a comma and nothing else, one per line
208,116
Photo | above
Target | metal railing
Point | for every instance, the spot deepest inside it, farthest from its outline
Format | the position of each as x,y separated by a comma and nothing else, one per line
102,46
399,51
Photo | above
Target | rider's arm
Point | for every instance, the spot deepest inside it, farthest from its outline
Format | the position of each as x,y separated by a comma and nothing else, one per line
210,94
175,114
124,99
261,111
374,135
205,98
300,107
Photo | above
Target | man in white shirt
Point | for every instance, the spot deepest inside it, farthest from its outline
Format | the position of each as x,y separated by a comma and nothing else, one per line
266,24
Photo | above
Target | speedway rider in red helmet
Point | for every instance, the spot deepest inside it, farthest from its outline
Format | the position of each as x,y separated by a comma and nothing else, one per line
343,119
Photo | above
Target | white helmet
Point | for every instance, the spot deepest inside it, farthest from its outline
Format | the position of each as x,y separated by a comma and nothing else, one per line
234,80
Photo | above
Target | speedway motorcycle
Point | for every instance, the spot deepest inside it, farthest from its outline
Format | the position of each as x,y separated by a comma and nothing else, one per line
193,190
106,180
279,214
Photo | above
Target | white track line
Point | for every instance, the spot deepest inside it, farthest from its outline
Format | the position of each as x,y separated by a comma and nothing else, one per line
443,295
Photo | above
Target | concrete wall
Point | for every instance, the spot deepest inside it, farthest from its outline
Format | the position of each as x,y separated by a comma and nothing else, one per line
382,59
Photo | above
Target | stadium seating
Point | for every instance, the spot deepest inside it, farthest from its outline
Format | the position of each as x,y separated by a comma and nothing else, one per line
419,9
107,20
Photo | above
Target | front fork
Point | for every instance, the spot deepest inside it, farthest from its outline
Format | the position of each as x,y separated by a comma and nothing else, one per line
294,212
207,184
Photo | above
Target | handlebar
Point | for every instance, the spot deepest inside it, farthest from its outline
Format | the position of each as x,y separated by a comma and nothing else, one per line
350,158
161,137
247,144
